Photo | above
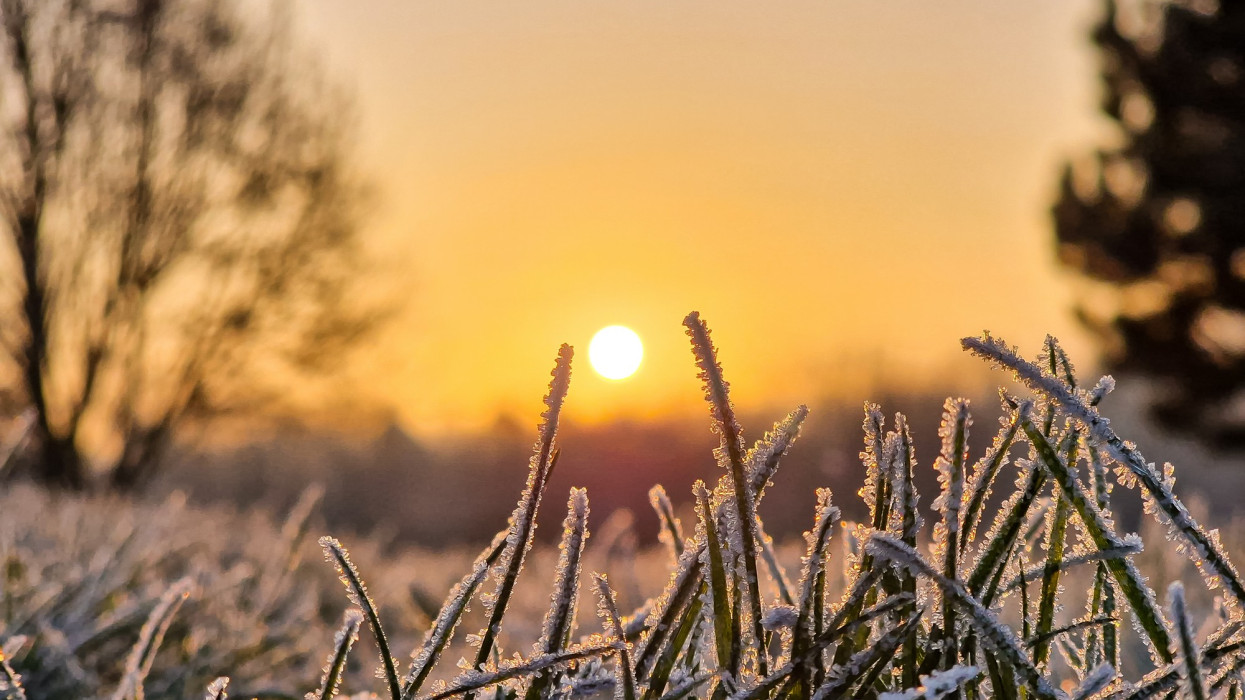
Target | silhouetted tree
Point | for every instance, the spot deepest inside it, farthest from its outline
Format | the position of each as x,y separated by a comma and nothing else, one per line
1160,218
181,218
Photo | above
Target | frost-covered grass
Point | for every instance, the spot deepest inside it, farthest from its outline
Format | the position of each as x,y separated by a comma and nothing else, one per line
1033,592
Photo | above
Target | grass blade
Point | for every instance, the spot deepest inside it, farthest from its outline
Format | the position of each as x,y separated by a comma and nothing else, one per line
997,636
357,592
727,651
451,613
143,655
472,681
845,675
523,521
336,666
826,515
953,430
560,620
625,683
1188,647
671,531
983,477
1204,547
669,655
1139,596
717,393
763,458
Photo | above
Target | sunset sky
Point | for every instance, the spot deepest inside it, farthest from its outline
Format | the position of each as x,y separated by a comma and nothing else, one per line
843,189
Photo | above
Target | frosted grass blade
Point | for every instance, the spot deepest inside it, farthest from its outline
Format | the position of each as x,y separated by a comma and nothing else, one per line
357,592
671,531
625,681
424,659
727,651
472,681
953,430
560,620
717,393
996,635
336,665
983,478
523,521
143,655
1188,646
1139,596
1203,546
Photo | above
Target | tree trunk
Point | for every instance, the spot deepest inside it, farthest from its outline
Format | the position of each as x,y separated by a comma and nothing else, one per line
56,460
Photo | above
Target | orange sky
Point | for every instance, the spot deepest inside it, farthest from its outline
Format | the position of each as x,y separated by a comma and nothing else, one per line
843,189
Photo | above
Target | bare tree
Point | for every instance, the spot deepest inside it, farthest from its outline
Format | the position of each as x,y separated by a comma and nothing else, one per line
182,221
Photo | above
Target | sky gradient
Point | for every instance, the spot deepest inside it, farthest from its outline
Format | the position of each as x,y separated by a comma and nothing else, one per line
843,189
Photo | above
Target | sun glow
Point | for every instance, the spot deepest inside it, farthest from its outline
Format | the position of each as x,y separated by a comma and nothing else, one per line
615,352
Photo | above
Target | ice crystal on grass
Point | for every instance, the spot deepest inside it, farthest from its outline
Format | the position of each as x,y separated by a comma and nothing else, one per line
938,684
671,531
1095,682
764,457
216,689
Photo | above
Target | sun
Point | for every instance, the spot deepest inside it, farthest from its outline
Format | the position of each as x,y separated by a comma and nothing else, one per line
615,352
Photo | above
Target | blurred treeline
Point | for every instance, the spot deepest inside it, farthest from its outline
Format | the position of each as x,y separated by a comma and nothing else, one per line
395,487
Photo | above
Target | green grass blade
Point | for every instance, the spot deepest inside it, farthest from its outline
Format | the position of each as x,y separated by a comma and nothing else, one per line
983,478
1004,532
717,393
684,583
816,540
669,655
727,652
1139,596
1204,547
997,636
1050,579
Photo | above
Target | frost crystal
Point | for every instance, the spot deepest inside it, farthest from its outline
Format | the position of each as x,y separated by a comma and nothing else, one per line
936,685
763,458
560,619
216,689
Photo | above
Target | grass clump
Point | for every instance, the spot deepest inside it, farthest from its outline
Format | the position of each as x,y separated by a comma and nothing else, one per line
980,603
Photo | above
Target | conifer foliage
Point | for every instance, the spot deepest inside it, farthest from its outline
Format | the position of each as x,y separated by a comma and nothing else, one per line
1157,222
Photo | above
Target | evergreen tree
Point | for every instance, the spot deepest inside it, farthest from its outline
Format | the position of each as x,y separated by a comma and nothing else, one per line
1158,226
